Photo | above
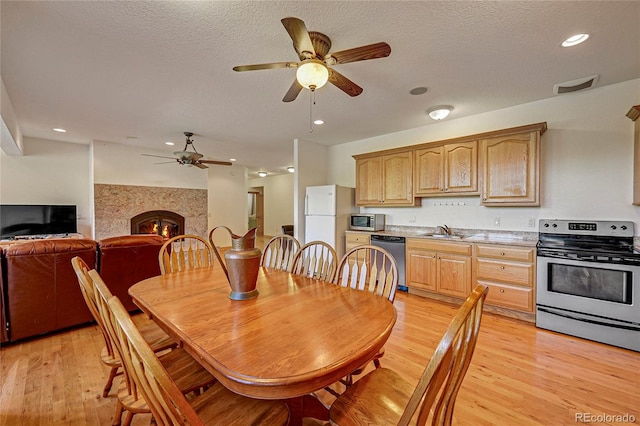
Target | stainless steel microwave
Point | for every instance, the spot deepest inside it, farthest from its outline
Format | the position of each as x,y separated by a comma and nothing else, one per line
366,222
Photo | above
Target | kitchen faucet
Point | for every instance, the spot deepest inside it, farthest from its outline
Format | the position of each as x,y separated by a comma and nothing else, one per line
444,229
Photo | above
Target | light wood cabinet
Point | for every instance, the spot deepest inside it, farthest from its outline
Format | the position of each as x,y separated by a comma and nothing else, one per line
450,169
511,170
509,272
439,267
354,239
385,180
634,114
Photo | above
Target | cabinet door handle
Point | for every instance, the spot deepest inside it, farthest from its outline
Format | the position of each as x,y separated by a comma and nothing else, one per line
502,254
502,290
502,267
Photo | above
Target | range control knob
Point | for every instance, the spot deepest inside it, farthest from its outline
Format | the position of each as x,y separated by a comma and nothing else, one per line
623,227
555,225
546,225
614,227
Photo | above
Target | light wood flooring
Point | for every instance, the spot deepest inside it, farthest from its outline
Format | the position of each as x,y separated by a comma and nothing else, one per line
519,375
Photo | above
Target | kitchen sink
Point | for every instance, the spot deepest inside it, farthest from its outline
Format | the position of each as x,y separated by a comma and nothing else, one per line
443,236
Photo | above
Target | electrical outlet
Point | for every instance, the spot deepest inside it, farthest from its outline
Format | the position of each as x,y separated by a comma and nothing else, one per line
532,223
496,221
412,219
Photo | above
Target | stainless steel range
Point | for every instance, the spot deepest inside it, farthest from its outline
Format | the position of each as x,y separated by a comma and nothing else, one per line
588,281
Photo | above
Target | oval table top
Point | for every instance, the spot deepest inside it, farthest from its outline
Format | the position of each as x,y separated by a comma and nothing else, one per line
297,336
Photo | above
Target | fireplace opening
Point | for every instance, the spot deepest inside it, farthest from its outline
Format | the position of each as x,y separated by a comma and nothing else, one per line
166,223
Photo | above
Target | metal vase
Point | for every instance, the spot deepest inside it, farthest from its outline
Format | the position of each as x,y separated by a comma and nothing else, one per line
241,265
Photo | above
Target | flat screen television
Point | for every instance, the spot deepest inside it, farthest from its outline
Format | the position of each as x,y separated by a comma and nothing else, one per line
25,220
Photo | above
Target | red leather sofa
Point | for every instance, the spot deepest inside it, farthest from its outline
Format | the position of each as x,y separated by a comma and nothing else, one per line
40,291
125,260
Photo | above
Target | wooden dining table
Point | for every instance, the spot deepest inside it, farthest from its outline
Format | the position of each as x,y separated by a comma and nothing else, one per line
296,337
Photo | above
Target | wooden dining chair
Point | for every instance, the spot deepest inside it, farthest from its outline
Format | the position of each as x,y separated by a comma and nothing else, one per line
215,406
154,335
184,252
383,397
317,260
188,374
373,269
278,253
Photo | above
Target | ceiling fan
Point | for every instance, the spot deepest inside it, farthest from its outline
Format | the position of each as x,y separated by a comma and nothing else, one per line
315,66
191,158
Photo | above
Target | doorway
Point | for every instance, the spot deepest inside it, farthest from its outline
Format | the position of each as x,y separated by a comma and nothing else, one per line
256,209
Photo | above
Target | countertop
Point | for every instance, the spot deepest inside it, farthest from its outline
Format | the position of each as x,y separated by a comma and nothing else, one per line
517,238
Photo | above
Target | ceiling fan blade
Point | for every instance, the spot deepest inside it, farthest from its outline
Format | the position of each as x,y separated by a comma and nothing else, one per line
270,66
293,92
200,166
343,83
166,162
219,163
362,53
301,41
158,156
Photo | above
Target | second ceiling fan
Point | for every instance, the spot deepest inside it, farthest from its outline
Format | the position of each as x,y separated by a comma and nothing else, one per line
315,66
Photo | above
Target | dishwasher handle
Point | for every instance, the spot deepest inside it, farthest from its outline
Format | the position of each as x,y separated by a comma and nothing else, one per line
388,239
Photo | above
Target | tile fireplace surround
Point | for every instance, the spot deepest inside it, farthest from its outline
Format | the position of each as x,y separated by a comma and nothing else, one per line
115,205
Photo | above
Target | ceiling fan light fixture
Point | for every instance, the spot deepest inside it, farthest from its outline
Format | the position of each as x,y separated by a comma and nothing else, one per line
440,112
312,74
262,174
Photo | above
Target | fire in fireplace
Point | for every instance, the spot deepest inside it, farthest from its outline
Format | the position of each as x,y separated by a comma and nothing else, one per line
162,222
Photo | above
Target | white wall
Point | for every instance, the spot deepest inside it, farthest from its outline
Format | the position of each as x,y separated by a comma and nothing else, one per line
119,164
312,165
587,161
228,203
49,172
278,201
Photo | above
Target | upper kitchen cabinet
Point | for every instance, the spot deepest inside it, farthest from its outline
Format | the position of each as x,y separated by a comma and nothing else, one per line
510,167
449,169
385,180
634,114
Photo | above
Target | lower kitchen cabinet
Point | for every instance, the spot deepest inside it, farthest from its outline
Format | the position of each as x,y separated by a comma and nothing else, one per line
439,267
354,239
509,272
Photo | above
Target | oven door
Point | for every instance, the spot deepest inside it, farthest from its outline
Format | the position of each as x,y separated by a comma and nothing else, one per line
602,290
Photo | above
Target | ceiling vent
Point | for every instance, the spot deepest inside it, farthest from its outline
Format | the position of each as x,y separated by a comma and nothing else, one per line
575,85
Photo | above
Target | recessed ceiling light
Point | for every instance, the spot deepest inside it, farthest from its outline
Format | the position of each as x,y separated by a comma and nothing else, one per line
169,143
318,122
291,169
60,130
440,112
232,159
574,40
418,90
262,174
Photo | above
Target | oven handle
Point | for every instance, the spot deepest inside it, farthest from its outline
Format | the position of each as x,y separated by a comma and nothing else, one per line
589,320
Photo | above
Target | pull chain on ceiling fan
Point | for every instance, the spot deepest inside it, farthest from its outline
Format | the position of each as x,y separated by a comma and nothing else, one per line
190,158
316,63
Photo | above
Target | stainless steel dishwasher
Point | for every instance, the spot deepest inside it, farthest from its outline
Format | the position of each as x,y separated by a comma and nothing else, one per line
395,246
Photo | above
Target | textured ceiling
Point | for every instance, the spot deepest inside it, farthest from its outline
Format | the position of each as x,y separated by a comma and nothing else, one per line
110,70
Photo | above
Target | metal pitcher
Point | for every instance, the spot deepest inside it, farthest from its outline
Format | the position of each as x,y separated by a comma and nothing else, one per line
242,263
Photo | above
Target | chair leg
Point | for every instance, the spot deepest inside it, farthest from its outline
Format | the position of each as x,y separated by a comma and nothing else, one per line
117,418
128,418
376,362
107,387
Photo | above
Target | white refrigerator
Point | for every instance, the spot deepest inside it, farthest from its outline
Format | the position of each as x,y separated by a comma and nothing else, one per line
327,209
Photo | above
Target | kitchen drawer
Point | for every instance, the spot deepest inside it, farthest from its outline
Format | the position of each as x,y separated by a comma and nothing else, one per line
508,296
358,239
514,273
463,249
521,254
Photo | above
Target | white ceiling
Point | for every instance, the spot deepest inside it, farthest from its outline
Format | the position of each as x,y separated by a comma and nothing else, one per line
109,71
